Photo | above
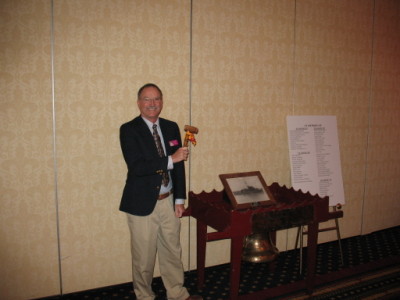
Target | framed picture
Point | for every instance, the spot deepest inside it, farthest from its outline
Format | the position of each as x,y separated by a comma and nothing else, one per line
247,190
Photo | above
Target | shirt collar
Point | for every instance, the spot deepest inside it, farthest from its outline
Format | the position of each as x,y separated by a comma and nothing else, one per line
150,124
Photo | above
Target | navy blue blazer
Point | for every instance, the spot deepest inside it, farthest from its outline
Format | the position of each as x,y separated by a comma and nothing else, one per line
145,166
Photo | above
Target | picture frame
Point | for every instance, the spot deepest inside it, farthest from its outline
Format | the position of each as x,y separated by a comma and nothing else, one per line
247,190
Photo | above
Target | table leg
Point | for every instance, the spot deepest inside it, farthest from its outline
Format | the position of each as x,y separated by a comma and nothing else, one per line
201,252
236,258
312,242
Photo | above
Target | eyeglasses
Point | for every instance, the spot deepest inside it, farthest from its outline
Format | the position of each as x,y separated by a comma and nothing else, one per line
148,100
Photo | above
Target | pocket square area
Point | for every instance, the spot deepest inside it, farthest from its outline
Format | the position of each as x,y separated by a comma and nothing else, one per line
173,143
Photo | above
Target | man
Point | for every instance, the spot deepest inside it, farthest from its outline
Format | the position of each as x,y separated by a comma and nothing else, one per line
154,194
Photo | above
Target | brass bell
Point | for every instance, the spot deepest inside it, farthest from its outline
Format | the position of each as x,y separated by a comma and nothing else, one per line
258,248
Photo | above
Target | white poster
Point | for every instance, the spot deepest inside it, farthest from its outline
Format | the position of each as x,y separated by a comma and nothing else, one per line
315,157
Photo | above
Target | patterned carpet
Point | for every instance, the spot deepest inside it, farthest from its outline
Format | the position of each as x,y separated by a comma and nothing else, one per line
371,270
380,284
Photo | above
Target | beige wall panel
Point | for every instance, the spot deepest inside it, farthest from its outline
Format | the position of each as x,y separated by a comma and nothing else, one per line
381,208
106,50
242,78
333,63
28,237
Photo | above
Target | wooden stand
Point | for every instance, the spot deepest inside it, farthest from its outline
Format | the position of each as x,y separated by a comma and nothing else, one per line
214,210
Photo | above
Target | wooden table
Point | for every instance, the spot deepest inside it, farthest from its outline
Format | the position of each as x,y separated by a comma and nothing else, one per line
292,209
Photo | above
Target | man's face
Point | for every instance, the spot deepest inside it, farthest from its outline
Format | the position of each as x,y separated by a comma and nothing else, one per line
150,103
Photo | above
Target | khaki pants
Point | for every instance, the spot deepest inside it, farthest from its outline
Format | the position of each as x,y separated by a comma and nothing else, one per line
157,232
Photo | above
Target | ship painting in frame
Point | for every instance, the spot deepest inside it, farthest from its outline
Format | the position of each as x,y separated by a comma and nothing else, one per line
247,190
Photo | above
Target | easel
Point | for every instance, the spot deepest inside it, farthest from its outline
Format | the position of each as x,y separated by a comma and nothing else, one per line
333,215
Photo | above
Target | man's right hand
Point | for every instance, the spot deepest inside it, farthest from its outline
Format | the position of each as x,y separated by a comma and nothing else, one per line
180,154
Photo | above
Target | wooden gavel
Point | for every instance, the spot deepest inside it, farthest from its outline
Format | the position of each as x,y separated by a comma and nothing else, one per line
190,131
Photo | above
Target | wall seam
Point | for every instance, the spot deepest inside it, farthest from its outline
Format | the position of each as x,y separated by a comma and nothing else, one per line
55,165
369,117
294,56
190,111
293,88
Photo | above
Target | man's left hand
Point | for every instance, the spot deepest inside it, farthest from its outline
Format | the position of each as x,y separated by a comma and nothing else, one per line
179,210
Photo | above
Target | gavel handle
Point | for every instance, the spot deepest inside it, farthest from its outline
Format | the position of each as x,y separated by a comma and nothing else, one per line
186,140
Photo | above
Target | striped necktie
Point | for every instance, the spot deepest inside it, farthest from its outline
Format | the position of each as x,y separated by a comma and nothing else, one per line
157,140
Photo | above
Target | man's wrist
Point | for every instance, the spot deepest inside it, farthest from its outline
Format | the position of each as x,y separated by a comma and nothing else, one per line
170,163
179,201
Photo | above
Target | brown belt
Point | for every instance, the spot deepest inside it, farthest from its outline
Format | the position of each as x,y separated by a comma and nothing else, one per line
163,196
